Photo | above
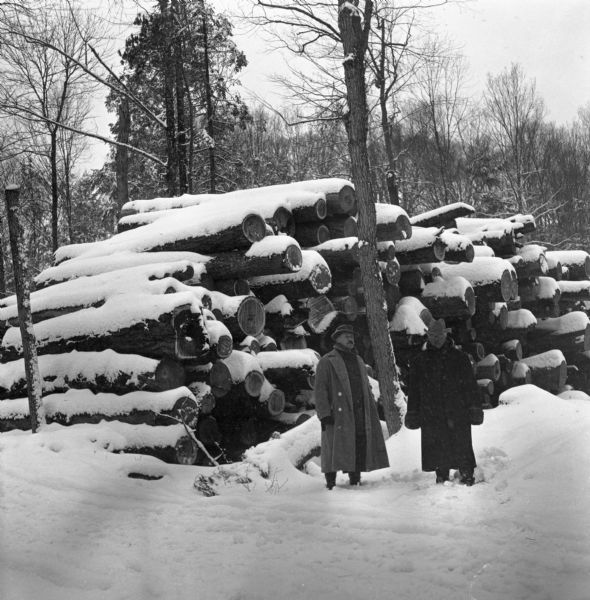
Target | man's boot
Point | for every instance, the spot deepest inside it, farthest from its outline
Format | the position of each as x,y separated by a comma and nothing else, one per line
466,477
442,475
354,477
330,479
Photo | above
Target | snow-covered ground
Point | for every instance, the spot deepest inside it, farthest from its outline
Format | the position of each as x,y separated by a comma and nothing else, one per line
75,526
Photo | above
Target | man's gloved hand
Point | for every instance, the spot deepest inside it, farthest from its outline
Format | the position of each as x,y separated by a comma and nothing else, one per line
329,420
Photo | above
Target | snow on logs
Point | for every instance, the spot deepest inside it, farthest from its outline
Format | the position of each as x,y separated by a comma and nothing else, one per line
570,333
242,315
84,406
458,248
392,223
188,267
106,371
271,255
156,326
93,290
314,278
540,295
492,278
548,370
290,370
209,228
424,246
444,216
530,261
451,298
576,261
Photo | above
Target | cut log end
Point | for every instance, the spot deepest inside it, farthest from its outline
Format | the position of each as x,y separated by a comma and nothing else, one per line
224,346
169,375
275,403
254,227
251,316
293,259
253,383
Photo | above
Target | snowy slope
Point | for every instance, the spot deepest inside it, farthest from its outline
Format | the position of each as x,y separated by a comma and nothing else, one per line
76,527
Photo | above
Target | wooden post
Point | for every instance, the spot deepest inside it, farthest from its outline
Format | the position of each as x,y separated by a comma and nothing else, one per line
22,287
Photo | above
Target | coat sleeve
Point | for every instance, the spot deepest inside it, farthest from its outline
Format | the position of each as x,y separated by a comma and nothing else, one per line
471,392
321,392
413,419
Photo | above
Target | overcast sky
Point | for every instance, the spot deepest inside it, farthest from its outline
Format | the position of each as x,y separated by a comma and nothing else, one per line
549,38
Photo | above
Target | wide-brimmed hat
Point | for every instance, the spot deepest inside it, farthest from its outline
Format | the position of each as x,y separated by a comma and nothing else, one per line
344,328
438,326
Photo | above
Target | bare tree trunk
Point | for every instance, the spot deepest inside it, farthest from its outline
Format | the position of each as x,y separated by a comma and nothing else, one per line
181,145
122,154
392,186
3,293
168,63
68,198
210,115
354,40
22,286
54,190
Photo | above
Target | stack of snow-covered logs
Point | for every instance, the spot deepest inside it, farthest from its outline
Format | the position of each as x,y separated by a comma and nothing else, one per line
179,320
207,313
518,309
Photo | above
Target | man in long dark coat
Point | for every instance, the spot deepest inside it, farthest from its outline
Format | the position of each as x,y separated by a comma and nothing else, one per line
352,438
443,399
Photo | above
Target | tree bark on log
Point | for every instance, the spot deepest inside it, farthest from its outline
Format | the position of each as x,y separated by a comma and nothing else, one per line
444,216
177,333
451,298
577,262
458,248
83,406
548,370
411,282
107,372
314,278
342,227
312,212
312,234
237,265
431,252
290,370
488,368
342,254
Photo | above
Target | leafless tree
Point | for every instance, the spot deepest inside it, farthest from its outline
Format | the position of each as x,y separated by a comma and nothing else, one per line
515,114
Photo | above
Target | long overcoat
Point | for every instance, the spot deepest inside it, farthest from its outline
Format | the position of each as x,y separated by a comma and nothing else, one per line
443,400
333,396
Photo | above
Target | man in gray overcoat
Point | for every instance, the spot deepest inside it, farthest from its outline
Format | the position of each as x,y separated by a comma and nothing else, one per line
352,438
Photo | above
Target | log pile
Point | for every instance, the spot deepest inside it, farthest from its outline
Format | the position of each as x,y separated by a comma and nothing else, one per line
206,314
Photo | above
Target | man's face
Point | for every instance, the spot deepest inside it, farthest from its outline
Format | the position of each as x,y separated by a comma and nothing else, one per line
437,338
346,340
